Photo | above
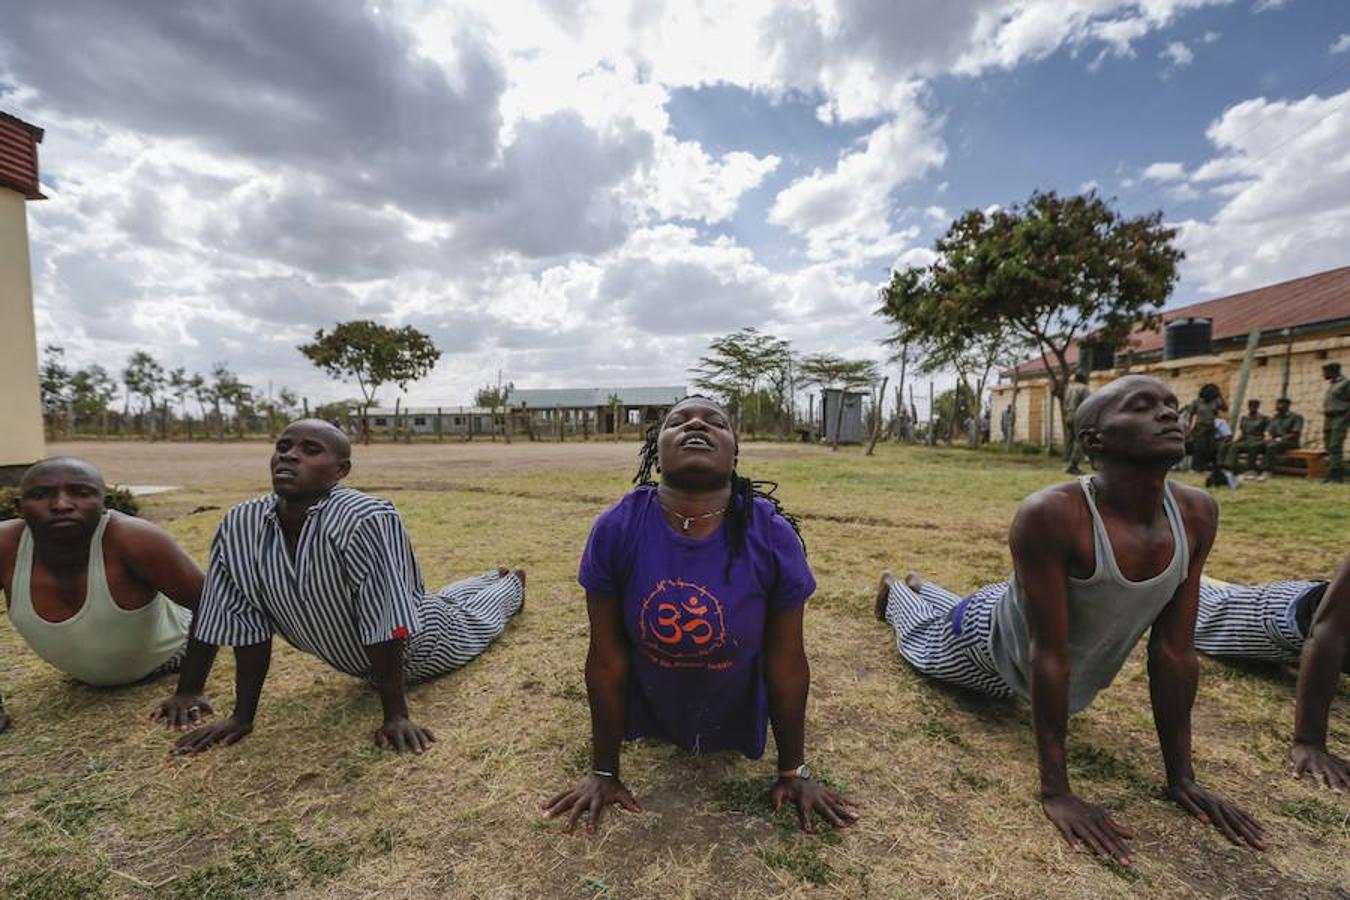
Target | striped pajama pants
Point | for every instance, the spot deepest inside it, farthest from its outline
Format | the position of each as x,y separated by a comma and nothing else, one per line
1256,621
458,622
947,637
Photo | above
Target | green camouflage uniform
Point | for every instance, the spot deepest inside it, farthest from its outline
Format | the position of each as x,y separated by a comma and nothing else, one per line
1336,408
1251,438
1284,435
1074,395
1204,440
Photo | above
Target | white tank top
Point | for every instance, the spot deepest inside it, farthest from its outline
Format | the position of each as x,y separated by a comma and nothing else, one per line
102,644
1107,612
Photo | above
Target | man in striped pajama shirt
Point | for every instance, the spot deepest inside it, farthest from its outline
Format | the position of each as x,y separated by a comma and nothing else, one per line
332,571
1294,622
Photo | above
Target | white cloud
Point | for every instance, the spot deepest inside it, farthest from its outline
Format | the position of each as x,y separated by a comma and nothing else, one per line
225,179
847,212
1342,44
1261,6
1165,171
1284,168
1178,54
1211,37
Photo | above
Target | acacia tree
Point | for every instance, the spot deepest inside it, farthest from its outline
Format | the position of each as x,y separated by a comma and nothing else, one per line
54,383
492,397
92,391
948,335
829,370
1054,270
144,378
372,355
737,364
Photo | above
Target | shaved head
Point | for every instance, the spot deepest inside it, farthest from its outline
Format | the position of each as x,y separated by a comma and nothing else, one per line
325,433
63,465
1089,413
1134,416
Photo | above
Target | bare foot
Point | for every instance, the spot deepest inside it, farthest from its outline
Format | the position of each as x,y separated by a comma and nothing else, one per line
503,571
914,582
883,594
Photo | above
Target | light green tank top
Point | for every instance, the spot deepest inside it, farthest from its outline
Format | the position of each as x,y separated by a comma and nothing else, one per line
102,644
1108,613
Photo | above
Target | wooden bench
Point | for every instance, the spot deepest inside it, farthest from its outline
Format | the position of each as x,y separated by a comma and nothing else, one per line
1313,463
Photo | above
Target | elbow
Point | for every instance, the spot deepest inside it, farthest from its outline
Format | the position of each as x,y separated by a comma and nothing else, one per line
1169,657
1049,667
787,669
606,669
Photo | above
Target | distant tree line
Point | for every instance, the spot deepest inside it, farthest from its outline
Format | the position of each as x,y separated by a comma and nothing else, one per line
147,400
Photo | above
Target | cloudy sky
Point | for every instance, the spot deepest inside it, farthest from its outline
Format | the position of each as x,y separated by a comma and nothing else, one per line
581,193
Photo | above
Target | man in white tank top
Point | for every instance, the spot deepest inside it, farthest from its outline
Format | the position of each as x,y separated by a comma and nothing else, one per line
1097,562
102,596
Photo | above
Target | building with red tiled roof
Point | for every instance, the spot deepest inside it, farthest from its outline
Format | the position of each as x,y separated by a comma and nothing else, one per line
1301,324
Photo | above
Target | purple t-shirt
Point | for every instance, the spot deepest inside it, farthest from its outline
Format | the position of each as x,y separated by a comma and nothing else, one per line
695,625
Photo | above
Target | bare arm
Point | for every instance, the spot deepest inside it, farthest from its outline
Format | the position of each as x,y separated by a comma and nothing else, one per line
607,667
397,732
156,559
1042,541
251,664
1323,659
1174,673
788,677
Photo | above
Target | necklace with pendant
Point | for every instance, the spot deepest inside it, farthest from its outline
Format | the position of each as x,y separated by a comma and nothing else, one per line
686,521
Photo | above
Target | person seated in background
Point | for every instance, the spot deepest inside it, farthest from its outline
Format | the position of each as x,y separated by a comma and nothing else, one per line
105,597
1284,434
1096,562
1306,623
332,571
1250,440
695,589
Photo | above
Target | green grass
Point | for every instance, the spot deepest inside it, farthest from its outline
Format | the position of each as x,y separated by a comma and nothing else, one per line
307,807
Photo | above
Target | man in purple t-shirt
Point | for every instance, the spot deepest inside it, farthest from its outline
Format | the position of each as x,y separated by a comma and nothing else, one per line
695,590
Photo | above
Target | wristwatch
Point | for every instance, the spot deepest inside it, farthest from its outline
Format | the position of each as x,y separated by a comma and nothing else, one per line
802,771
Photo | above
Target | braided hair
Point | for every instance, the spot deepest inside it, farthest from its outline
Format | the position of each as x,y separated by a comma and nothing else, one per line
743,490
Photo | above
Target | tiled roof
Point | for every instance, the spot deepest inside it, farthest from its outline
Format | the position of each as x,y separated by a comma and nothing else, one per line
1313,299
18,156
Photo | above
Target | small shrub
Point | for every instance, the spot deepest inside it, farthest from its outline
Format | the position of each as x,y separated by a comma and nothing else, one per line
119,498
122,500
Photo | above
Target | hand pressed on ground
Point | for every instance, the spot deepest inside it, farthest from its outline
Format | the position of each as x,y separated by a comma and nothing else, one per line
1325,767
181,711
225,732
812,797
590,797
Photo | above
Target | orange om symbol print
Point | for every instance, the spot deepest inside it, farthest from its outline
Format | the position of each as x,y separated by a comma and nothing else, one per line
680,621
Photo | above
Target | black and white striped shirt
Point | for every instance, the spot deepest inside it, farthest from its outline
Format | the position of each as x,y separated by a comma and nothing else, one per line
353,582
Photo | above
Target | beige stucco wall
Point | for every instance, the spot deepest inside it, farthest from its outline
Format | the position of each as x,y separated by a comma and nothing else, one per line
20,406
1185,376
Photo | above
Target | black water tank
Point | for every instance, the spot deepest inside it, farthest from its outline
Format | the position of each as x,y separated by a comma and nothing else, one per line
1188,337
1095,357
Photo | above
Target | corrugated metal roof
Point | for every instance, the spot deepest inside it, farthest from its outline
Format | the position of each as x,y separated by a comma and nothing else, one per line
597,396
1310,300
431,410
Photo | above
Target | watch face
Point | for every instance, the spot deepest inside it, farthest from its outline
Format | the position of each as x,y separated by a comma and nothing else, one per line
803,771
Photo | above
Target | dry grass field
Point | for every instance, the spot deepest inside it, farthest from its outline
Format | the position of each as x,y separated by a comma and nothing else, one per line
92,805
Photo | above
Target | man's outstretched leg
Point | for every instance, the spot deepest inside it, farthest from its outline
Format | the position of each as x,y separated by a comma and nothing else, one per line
940,634
471,615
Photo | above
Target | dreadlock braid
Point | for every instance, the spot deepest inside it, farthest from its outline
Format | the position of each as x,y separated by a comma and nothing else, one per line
743,490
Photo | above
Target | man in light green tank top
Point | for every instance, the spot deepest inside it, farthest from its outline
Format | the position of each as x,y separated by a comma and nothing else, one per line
1097,562
104,597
